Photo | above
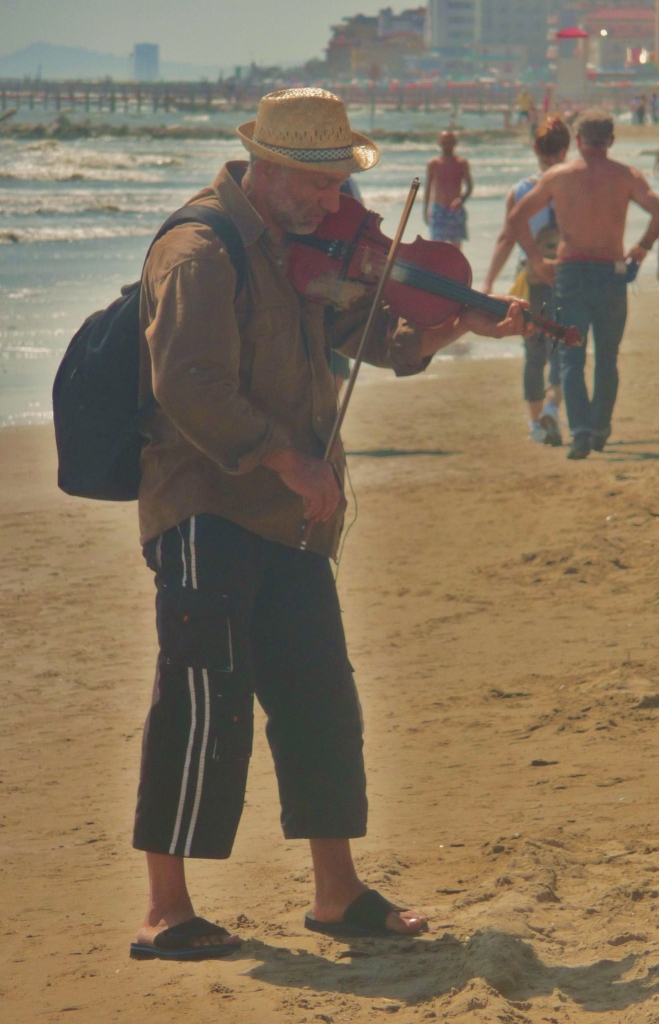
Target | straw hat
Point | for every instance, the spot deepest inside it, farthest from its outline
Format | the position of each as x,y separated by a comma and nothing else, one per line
307,129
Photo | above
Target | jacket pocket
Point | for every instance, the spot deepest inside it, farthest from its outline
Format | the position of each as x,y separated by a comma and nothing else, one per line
194,628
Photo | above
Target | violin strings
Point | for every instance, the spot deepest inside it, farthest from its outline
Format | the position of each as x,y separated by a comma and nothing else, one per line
448,289
438,284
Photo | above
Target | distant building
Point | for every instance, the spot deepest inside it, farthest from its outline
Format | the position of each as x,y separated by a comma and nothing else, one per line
146,62
357,31
486,37
411,21
501,62
386,57
451,24
517,23
620,36
468,37
368,46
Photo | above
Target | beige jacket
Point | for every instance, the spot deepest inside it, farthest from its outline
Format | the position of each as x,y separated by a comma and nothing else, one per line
236,380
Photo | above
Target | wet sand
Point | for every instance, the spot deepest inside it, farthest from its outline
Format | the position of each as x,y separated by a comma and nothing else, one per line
501,608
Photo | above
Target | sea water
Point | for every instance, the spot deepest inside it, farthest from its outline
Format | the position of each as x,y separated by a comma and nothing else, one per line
76,218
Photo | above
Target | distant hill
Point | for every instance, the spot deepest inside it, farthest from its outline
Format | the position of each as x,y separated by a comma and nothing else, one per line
53,62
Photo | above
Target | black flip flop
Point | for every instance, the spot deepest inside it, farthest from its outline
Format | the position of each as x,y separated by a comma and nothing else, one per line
177,943
366,917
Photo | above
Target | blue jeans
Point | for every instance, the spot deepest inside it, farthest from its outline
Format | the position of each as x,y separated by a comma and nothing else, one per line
593,295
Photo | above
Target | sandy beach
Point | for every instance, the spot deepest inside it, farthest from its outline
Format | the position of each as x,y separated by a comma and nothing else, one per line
501,607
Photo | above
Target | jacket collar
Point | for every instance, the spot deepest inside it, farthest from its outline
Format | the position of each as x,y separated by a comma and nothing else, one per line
232,198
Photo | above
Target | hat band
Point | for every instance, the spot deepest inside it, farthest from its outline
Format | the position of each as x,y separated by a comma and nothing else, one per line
310,156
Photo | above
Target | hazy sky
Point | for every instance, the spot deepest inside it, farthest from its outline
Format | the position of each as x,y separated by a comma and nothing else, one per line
223,32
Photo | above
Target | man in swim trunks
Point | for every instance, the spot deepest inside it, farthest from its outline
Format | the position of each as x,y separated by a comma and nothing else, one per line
590,197
448,186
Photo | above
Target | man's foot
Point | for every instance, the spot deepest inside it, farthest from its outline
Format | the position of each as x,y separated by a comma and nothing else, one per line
537,433
194,939
580,447
549,423
369,914
147,934
402,922
599,439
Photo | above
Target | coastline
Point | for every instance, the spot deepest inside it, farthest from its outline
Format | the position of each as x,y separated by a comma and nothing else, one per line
500,605
63,128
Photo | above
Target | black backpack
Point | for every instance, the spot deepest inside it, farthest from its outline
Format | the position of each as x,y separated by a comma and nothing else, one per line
96,391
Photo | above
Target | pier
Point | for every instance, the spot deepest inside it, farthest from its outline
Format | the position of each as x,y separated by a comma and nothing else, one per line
85,100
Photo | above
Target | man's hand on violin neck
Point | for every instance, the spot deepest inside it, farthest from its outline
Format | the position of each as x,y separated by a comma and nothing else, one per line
436,338
513,324
311,478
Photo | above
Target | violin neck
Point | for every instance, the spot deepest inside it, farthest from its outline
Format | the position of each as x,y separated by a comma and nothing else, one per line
436,284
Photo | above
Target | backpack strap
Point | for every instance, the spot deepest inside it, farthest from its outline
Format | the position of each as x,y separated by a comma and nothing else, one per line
221,225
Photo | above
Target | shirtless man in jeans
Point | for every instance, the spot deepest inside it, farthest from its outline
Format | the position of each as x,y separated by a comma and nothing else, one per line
448,186
590,196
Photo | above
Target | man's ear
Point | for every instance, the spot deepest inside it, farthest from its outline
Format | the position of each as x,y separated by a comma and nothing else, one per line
264,171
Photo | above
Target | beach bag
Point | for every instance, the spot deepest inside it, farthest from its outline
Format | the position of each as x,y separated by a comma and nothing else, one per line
520,288
96,391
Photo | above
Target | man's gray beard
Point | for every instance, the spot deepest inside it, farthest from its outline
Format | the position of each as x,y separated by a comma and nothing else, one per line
302,231
291,227
287,221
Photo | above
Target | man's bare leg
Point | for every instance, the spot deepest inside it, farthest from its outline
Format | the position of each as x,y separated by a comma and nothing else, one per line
337,885
554,394
535,410
169,900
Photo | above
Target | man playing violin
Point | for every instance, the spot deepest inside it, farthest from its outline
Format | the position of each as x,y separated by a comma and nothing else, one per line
231,467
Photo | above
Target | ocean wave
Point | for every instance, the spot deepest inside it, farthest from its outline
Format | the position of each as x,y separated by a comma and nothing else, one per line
490,192
29,203
383,198
22,293
74,234
28,418
386,198
56,161
96,158
67,172
26,351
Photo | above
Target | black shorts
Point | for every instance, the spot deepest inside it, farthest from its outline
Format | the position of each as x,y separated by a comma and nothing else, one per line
238,615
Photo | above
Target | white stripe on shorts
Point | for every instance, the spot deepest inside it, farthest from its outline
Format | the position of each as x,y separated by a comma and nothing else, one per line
193,552
184,578
186,767
202,763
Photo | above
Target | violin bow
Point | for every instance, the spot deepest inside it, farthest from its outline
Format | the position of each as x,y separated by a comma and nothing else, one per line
366,337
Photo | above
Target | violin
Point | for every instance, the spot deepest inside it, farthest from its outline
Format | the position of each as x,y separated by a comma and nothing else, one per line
430,282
